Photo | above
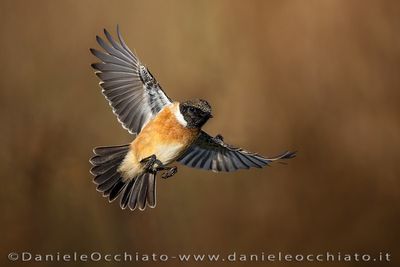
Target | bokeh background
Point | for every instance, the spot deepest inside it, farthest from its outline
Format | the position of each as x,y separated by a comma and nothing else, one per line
320,77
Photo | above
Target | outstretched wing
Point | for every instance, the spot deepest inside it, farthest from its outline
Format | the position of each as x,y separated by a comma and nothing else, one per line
133,93
211,153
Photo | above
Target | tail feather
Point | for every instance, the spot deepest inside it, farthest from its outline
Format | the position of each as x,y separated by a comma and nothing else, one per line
127,193
106,193
104,167
109,184
143,193
100,159
117,188
135,192
151,191
107,150
101,178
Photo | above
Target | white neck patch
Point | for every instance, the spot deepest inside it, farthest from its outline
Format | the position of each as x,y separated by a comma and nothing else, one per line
179,117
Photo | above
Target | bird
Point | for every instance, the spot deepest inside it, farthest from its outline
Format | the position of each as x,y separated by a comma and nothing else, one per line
165,131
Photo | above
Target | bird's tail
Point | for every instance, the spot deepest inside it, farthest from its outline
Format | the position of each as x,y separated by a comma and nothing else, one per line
136,191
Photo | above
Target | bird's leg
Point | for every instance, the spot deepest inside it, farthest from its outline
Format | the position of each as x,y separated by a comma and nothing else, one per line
149,162
170,171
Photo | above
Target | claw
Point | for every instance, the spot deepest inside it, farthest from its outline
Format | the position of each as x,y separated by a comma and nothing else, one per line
170,172
219,138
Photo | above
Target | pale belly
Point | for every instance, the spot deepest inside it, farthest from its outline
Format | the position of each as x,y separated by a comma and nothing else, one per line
168,153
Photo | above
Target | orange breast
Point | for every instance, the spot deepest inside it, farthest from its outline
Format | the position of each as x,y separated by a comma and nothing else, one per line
164,137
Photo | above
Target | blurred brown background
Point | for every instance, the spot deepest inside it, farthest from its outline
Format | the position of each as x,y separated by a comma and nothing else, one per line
320,77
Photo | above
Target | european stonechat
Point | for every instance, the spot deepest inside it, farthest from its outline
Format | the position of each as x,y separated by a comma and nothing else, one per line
165,131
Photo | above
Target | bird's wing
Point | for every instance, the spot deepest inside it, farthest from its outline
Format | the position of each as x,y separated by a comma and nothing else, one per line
211,153
133,93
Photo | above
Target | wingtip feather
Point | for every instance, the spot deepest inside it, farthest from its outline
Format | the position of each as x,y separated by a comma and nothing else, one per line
94,66
93,51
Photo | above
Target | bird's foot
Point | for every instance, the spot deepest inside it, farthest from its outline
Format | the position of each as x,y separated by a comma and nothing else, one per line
170,171
150,162
219,137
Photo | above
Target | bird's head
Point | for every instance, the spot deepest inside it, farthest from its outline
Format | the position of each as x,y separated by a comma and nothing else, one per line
195,112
